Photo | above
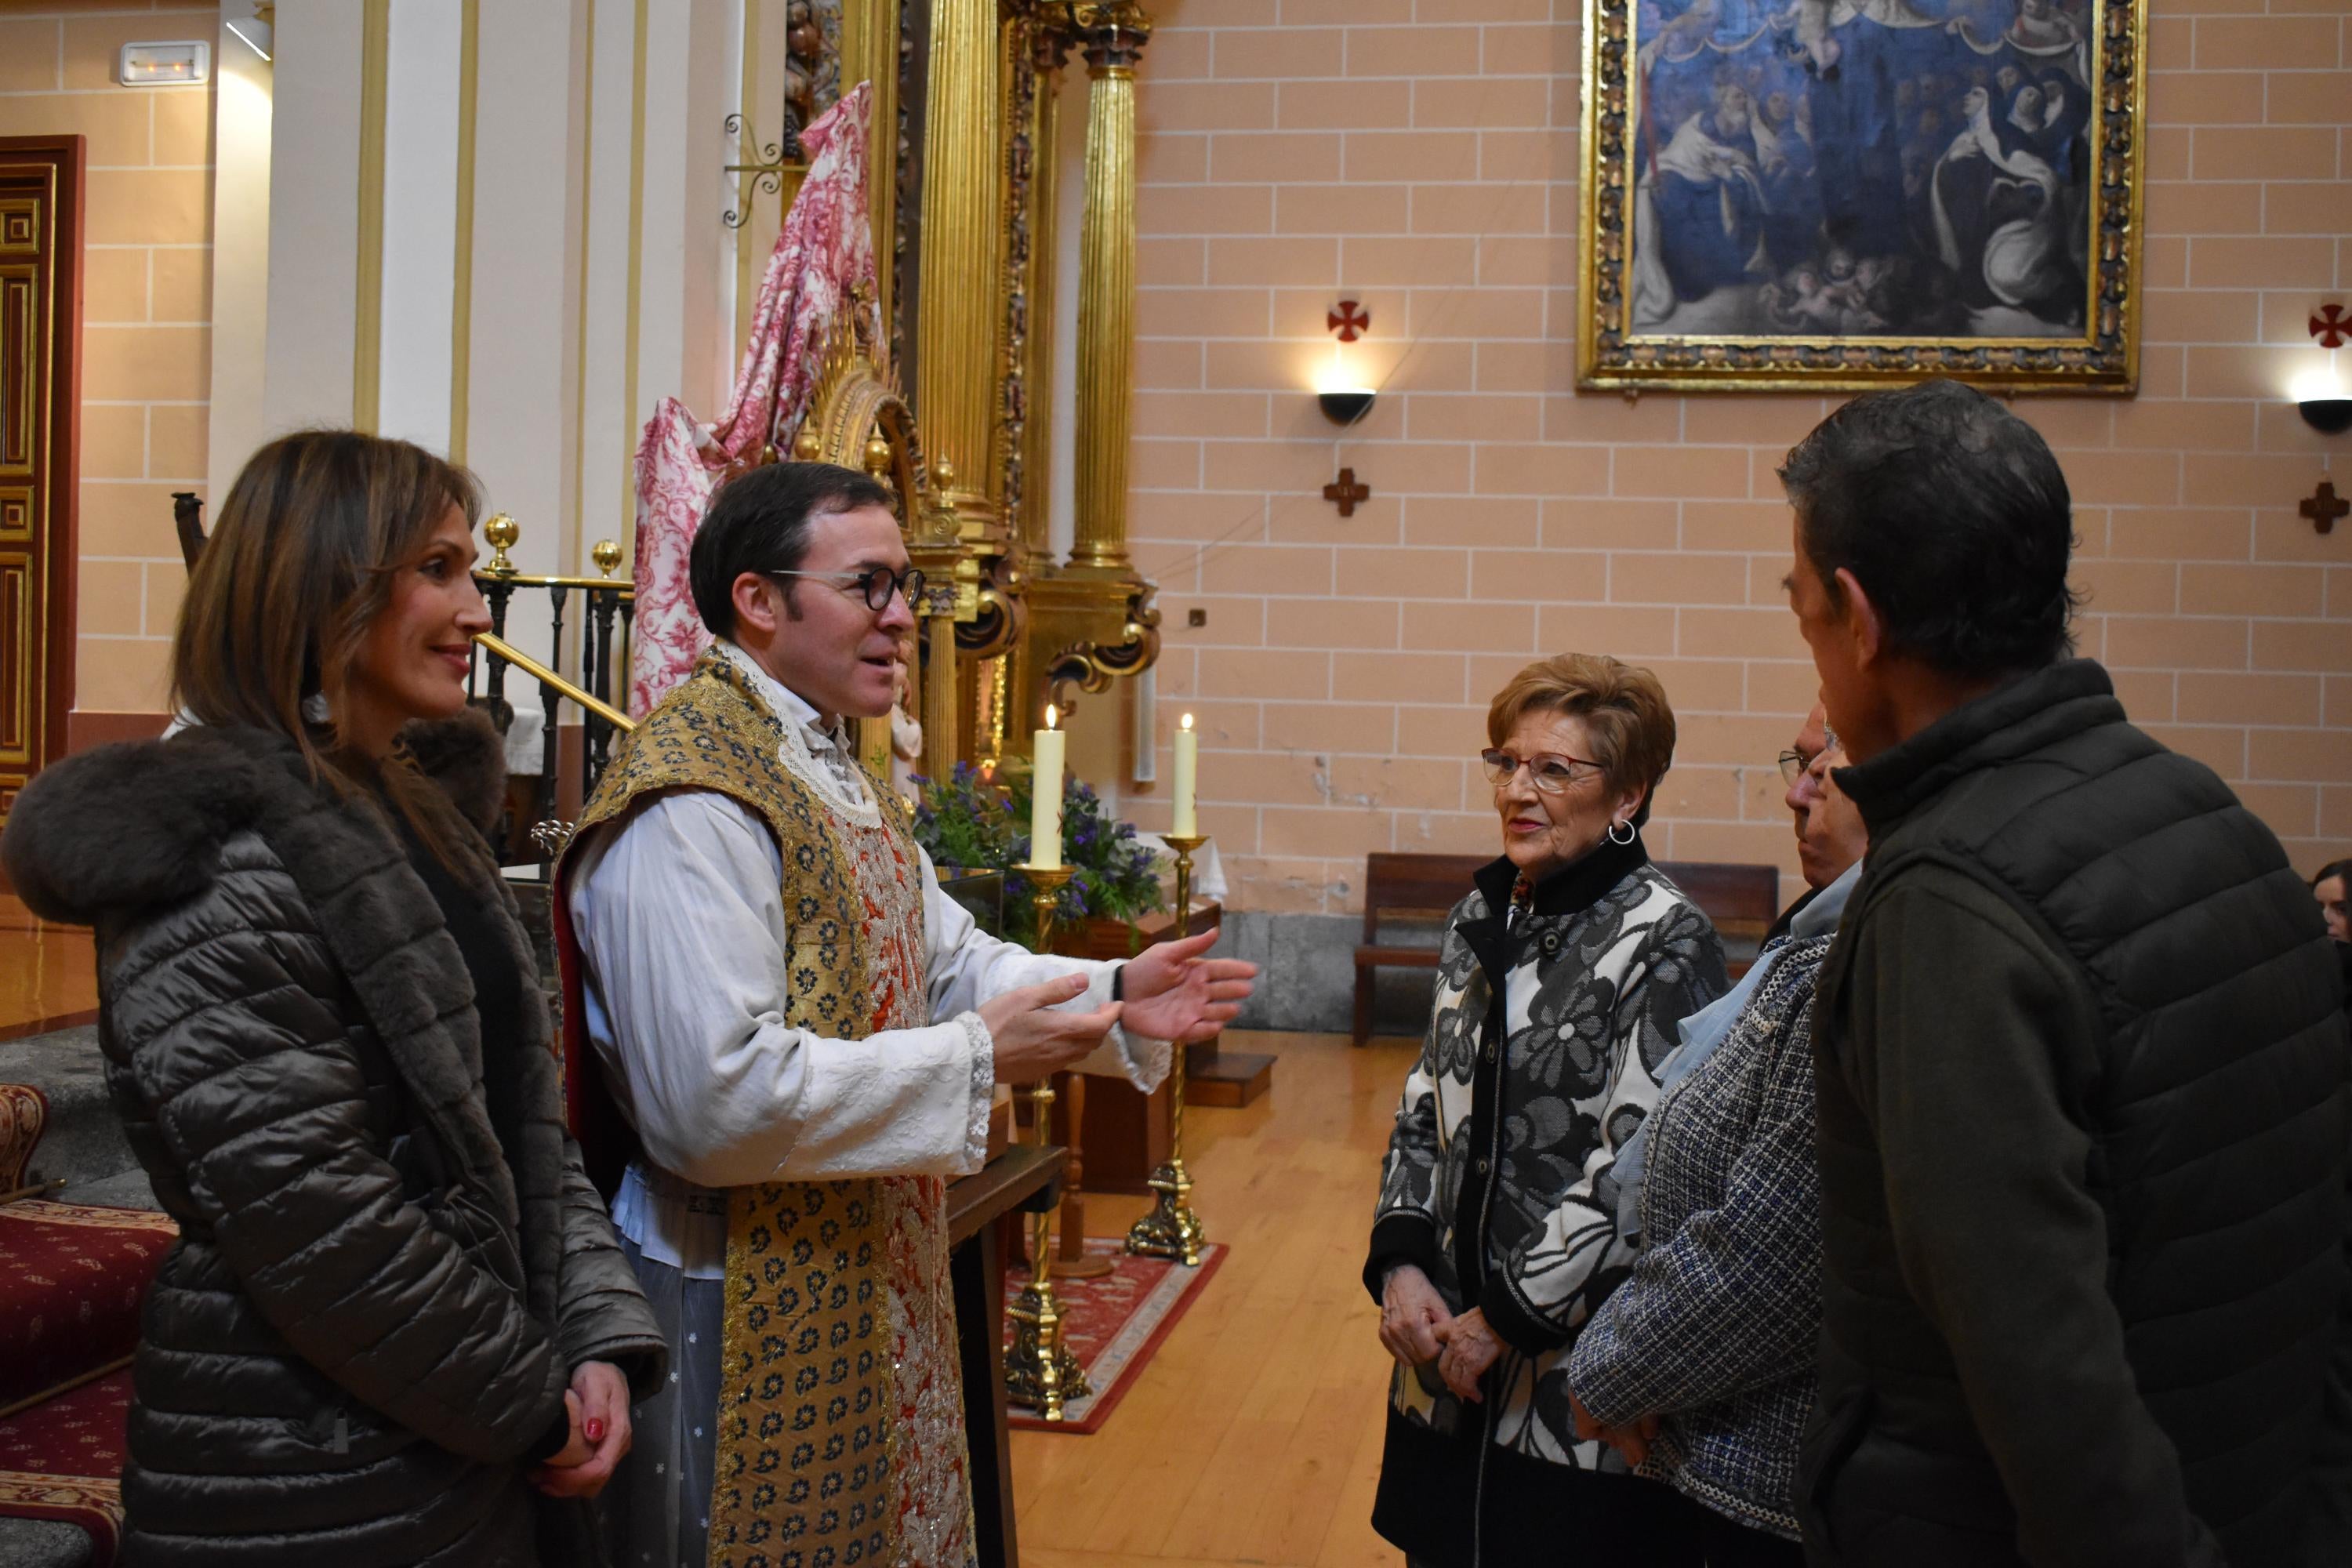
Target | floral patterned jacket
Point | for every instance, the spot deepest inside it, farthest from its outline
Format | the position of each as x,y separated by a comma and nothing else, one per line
1552,1021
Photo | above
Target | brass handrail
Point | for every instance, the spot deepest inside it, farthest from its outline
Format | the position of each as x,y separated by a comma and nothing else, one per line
531,666
517,580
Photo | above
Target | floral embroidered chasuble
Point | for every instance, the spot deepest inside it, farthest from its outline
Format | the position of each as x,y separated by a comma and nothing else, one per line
840,1420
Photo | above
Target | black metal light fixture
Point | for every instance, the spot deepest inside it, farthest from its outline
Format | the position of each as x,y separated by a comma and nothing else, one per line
2320,393
1344,406
2330,415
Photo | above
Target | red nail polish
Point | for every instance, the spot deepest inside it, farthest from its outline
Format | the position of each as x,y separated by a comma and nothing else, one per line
595,1431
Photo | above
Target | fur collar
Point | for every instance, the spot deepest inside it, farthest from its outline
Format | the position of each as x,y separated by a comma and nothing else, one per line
140,825
110,837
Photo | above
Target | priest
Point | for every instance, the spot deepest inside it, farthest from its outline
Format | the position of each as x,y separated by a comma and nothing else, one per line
800,1035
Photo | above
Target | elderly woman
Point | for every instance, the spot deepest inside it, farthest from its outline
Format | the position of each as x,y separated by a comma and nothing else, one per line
1562,976
1700,1367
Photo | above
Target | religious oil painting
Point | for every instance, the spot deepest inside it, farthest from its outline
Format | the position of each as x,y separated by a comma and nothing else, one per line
1834,194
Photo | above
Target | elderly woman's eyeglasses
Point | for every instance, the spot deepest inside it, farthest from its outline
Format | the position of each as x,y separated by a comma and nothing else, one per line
875,582
1550,774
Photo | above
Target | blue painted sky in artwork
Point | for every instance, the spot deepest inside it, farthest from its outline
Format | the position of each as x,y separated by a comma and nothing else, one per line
1841,168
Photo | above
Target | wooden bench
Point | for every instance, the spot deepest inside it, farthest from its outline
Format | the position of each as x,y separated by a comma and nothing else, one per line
1742,900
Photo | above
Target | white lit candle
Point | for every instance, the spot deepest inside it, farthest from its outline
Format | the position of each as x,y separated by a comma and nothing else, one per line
1045,808
1188,770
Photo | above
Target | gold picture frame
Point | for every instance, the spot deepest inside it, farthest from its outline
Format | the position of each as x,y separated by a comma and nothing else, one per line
1968,178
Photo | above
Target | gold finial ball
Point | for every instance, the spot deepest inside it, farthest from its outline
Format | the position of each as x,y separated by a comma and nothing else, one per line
806,447
943,474
501,531
878,456
607,556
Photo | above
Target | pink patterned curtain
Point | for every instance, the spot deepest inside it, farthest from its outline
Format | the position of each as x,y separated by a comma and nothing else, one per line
826,250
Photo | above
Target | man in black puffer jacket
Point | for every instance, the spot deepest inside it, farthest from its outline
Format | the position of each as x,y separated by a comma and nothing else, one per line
2084,1085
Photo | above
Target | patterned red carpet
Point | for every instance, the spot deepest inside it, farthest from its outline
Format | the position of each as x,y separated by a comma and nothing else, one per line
71,1280
62,1460
1114,1324
75,1276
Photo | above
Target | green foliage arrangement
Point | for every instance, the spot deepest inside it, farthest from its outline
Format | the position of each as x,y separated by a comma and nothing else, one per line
968,823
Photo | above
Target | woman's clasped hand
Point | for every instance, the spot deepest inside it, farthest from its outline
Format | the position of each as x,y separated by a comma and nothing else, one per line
597,1404
1632,1441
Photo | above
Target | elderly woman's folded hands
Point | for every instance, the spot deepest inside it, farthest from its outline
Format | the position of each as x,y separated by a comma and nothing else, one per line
1411,1314
1471,1347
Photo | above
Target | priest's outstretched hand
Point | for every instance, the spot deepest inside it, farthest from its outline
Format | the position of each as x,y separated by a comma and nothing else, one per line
1034,1040
1172,992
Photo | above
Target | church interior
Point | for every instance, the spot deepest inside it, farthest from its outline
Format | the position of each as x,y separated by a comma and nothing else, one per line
1246,377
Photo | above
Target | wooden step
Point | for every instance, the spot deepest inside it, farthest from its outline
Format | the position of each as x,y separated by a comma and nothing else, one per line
1228,1080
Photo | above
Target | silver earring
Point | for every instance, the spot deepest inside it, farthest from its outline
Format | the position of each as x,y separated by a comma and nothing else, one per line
1613,833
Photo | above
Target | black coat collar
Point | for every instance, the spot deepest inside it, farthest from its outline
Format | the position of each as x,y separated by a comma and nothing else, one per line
2007,722
1570,890
1574,887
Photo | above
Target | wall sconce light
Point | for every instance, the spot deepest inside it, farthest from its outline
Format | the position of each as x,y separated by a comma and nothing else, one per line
176,64
2322,400
1342,402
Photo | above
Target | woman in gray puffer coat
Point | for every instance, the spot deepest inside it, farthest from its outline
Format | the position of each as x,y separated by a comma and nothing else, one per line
396,1305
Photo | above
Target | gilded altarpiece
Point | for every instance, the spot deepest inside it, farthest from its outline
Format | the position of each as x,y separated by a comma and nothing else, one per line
964,209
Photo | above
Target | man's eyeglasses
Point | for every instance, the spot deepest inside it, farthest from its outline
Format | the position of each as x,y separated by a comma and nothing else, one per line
1549,773
877,583
1795,764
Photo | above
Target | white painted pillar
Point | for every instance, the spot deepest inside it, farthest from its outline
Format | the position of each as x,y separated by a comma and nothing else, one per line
523,385
420,221
240,313
313,215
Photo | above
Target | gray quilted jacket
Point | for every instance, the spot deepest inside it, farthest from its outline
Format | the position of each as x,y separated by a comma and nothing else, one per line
389,1261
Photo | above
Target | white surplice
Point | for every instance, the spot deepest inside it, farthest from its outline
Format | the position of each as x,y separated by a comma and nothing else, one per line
679,912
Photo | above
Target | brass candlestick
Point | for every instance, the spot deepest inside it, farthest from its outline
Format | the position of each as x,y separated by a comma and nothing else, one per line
1172,1229
1040,1372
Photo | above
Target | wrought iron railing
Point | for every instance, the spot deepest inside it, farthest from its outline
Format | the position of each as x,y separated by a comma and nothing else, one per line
607,618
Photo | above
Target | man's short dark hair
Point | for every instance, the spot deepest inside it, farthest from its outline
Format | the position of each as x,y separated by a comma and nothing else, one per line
759,522
1953,516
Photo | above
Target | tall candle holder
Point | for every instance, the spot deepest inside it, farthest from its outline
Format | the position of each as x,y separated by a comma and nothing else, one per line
1172,1229
1040,1371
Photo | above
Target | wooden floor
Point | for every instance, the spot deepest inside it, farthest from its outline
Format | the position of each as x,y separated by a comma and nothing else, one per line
1254,1436
48,973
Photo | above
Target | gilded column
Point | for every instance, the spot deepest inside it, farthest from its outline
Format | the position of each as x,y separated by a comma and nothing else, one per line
955,361
1050,45
1113,33
942,746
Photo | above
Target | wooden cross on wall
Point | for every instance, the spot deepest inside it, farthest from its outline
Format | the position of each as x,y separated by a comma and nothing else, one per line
2323,506
1346,493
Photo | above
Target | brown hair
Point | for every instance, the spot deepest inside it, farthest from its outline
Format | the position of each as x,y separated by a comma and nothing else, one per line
299,561
1623,708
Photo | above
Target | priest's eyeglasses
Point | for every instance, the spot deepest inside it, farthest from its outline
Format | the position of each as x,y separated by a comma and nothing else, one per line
877,583
1551,773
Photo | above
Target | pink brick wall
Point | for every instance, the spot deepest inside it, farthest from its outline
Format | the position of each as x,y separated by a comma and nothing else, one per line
1421,156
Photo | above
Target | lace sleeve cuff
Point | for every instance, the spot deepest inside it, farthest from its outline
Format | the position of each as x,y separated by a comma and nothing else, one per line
983,1088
